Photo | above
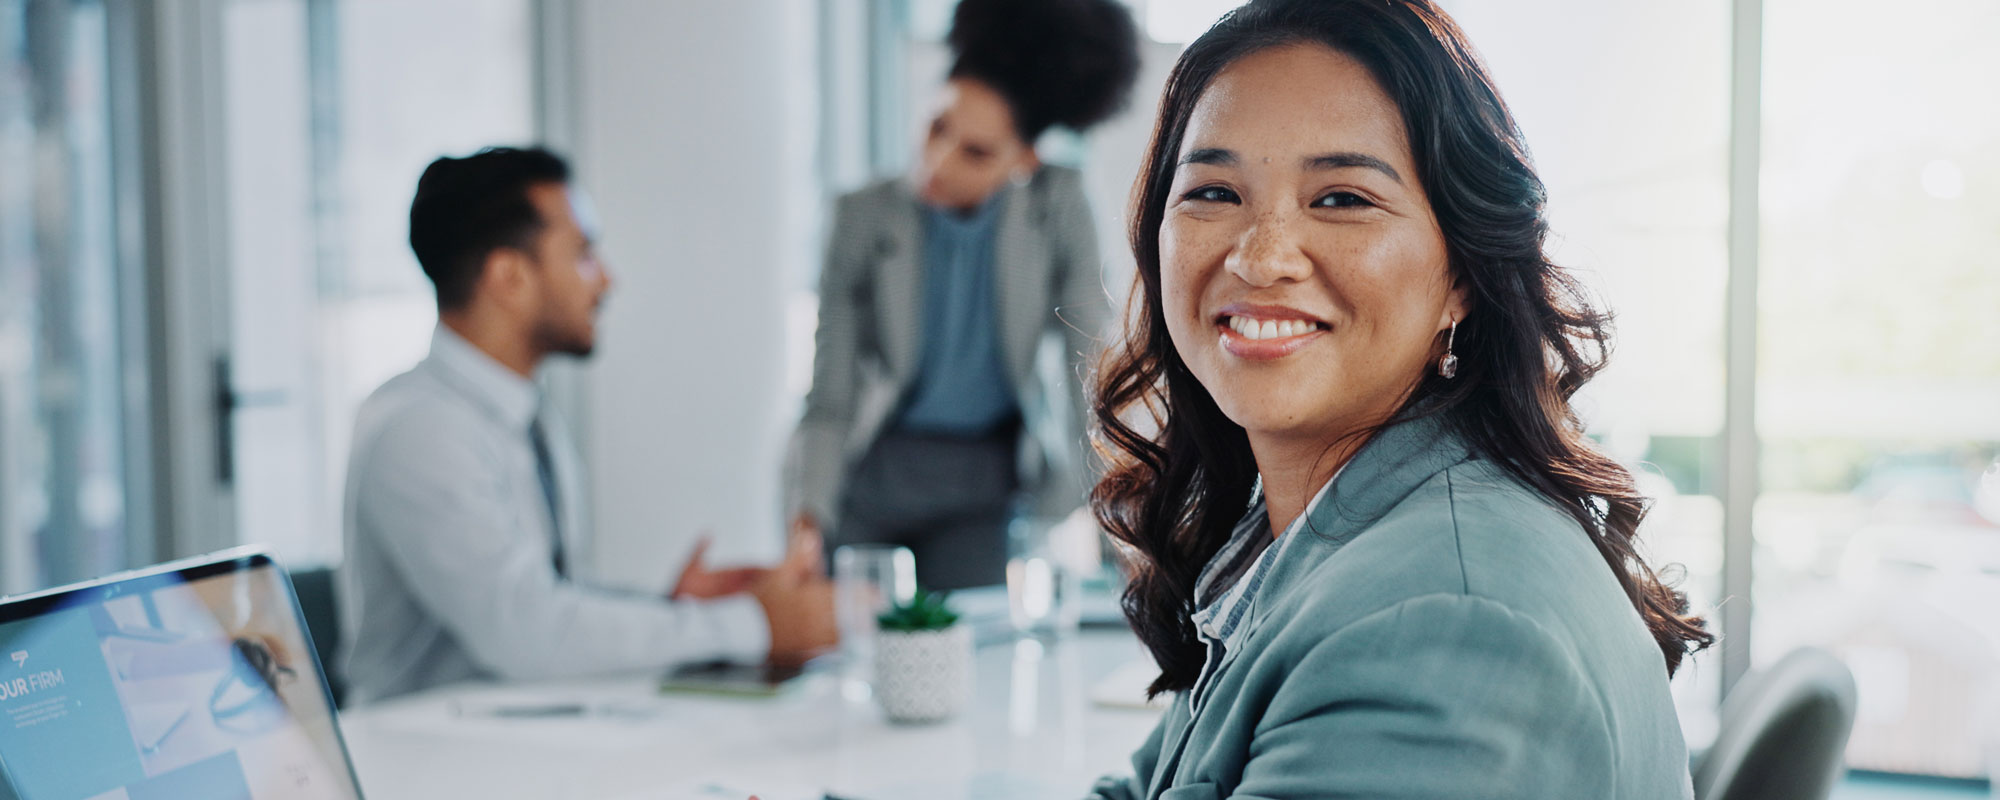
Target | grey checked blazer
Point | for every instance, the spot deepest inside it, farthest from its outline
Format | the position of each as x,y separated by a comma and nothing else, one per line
1052,309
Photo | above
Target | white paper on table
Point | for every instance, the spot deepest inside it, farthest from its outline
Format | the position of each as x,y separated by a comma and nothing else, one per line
1126,686
709,790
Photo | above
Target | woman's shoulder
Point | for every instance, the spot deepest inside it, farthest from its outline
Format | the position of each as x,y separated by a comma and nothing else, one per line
1472,581
1471,531
880,193
1057,177
1057,186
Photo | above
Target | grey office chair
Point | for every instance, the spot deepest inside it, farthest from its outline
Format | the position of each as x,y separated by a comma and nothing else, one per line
1782,734
322,612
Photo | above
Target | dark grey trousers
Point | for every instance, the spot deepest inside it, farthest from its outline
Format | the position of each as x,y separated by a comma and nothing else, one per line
947,499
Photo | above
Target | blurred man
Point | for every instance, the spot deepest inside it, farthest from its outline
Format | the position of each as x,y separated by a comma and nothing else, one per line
464,498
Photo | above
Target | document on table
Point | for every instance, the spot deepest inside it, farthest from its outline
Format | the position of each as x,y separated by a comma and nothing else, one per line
706,790
1126,686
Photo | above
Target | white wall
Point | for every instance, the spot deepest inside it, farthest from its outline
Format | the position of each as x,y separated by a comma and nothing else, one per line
695,129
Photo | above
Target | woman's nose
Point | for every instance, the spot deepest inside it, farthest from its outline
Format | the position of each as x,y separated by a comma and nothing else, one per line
1269,252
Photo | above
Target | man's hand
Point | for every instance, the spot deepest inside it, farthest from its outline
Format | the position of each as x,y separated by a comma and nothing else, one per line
798,601
804,523
698,582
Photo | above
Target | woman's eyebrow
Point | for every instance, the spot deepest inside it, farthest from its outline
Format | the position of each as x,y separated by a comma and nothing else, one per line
1214,156
1223,157
1328,161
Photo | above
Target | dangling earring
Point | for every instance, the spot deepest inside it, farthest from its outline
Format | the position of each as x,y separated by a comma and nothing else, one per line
1448,366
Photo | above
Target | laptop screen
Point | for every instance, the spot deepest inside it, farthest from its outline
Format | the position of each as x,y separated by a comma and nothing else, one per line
194,680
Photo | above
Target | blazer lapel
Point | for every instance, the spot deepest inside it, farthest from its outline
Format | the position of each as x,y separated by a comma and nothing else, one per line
1388,468
1020,281
899,292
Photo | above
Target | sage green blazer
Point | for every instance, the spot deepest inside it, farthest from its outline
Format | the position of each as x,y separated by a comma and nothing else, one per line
1440,631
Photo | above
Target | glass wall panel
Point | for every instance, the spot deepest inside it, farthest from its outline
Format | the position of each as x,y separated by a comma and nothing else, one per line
1878,527
333,110
63,438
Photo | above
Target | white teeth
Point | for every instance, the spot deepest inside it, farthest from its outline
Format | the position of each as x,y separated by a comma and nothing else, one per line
1270,329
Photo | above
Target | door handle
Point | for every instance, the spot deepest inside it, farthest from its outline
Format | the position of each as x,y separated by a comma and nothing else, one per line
227,401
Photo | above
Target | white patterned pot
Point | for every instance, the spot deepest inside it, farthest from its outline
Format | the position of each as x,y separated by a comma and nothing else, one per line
923,676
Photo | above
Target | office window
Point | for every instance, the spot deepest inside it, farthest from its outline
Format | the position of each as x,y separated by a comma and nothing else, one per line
1634,151
333,110
66,503
1878,525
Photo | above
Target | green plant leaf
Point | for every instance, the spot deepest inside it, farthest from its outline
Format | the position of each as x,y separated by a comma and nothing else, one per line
926,611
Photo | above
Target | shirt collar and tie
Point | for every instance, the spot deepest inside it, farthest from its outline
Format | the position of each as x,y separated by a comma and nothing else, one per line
517,403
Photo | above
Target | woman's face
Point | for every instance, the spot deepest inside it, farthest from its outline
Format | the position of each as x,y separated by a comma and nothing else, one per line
1303,274
971,149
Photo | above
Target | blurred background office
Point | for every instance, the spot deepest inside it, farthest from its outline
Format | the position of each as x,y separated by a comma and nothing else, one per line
1794,207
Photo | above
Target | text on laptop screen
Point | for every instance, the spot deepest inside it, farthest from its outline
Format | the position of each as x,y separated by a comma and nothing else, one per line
168,688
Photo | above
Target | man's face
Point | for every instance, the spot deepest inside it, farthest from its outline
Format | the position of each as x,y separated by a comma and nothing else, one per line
572,282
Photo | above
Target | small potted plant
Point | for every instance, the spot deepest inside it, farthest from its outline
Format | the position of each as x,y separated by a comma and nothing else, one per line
923,660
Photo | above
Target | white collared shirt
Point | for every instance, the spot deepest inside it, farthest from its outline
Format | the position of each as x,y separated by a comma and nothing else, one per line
450,572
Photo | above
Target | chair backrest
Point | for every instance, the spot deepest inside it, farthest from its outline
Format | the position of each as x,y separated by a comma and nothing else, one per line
1783,731
322,612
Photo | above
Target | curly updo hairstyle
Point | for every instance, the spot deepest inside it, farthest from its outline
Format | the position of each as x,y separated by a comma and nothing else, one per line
1056,62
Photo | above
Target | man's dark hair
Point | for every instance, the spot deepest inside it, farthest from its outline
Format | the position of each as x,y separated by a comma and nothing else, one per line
468,207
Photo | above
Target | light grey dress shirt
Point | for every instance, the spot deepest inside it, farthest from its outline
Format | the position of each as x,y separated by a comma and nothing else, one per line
450,573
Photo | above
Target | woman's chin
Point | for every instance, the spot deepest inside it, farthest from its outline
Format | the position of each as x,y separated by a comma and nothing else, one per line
1264,416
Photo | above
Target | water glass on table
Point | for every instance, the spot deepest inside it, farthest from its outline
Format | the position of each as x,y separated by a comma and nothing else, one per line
867,580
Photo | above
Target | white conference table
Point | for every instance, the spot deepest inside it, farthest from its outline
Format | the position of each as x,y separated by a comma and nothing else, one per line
1031,731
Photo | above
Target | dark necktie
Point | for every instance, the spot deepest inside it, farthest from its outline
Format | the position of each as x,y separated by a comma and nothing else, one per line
546,471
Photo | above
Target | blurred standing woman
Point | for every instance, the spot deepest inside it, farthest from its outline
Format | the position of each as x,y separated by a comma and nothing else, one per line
928,413
1347,324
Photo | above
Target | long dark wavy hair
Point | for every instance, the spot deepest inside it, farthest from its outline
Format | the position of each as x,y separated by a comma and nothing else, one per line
1179,473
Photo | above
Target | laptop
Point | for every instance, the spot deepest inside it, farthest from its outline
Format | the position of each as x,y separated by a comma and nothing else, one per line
194,680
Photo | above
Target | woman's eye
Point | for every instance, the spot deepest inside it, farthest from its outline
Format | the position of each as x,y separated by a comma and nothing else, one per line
1341,200
1211,194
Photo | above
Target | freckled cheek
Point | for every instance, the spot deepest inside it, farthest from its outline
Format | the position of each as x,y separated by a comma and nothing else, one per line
1190,259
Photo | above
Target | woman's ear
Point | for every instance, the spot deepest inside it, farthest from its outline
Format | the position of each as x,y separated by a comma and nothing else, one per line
1457,305
1026,167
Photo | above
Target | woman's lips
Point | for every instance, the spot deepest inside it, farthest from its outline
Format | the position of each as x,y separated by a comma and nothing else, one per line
1267,334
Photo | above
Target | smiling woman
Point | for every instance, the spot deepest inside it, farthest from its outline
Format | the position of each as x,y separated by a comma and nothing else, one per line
1306,229
1345,322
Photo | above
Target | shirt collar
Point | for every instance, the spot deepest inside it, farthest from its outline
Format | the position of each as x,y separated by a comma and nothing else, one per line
979,221
1222,617
510,398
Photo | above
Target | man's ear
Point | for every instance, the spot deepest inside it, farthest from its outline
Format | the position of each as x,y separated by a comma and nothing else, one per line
504,278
